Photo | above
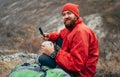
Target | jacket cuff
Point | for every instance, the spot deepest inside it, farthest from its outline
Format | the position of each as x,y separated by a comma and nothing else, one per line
52,55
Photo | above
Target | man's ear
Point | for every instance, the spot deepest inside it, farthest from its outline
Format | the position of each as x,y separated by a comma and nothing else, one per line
76,18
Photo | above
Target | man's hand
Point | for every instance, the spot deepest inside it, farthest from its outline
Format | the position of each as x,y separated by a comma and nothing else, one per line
47,49
45,37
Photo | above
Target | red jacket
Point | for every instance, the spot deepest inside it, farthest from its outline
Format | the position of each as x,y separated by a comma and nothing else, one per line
79,52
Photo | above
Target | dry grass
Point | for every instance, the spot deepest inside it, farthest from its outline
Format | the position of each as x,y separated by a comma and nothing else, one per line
7,66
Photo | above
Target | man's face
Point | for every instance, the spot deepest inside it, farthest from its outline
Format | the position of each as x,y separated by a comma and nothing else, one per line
69,18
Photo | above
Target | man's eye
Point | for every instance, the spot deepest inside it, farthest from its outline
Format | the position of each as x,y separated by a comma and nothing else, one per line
63,14
68,13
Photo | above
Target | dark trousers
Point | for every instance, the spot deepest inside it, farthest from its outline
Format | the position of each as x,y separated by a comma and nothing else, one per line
47,61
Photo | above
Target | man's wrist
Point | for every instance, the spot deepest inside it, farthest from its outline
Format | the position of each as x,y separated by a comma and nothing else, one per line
52,55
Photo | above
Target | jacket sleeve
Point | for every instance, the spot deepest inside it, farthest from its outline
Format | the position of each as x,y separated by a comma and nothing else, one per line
54,36
78,55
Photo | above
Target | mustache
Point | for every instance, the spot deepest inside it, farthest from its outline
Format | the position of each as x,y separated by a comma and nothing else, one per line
67,19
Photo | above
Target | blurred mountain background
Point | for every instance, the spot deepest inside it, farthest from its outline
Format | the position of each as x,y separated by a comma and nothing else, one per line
20,38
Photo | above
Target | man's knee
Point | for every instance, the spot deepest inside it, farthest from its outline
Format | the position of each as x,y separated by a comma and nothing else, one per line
46,60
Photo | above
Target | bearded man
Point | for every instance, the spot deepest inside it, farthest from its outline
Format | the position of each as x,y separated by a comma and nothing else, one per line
79,50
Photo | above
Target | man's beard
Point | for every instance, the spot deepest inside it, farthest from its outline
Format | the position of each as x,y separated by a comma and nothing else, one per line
71,24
